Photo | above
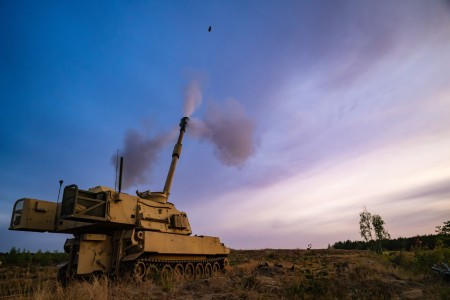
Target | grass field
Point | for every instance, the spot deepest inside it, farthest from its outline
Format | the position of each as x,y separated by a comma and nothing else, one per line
252,274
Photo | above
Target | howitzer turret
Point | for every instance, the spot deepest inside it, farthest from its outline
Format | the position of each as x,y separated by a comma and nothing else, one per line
117,233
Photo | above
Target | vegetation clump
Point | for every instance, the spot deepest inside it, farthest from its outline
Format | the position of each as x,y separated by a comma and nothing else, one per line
23,257
371,228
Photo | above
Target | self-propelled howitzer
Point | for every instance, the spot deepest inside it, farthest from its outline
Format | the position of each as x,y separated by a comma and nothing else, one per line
116,233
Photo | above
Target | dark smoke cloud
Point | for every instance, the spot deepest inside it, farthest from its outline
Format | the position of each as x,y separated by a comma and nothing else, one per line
230,130
139,154
226,126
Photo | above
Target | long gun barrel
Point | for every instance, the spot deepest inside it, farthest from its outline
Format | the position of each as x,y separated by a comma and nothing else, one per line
175,156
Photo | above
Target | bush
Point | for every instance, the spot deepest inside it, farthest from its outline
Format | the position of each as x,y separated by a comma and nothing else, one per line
425,259
24,257
401,259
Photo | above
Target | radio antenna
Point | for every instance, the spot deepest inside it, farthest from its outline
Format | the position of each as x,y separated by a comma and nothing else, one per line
57,201
59,191
117,167
120,174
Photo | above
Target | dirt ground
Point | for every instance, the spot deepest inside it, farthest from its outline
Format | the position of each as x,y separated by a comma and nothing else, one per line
251,274
313,274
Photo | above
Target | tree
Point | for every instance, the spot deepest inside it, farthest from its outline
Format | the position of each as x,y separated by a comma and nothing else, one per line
370,226
365,225
444,230
443,233
380,232
12,256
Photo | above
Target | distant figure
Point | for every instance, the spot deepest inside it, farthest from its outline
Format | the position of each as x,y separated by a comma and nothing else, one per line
209,29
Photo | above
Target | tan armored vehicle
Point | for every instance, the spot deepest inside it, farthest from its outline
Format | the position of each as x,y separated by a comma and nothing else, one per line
116,233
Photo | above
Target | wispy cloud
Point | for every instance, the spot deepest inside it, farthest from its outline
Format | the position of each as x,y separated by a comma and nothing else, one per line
435,190
328,198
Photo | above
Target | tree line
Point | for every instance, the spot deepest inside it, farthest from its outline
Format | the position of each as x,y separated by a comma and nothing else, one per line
402,243
23,257
377,238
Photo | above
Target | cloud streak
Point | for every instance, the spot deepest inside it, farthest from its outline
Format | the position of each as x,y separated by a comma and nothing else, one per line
435,190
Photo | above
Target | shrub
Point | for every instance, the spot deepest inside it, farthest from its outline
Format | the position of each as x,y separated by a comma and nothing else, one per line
425,259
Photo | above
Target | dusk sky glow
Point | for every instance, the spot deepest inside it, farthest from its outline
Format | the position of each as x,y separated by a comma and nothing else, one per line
303,112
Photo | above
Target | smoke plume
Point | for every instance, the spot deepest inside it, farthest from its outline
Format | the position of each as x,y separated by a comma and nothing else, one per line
227,127
230,130
140,154
192,98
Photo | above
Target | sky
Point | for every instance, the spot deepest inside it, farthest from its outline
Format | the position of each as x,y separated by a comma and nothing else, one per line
302,112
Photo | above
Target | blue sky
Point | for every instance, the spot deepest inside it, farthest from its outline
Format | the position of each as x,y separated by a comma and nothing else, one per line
309,111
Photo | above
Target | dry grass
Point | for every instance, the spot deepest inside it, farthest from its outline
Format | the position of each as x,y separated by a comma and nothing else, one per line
255,274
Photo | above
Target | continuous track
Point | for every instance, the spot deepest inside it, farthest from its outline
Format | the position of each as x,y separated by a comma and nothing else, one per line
148,268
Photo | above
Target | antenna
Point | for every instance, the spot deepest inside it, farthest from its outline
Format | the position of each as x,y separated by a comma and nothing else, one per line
120,174
57,201
59,191
117,166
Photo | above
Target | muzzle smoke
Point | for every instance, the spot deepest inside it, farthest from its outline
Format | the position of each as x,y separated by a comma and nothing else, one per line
227,127
230,130
192,98
140,154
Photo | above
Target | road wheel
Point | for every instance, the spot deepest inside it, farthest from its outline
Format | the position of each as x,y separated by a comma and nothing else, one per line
139,271
167,272
199,271
178,272
189,271
152,272
208,270
215,268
